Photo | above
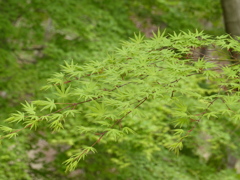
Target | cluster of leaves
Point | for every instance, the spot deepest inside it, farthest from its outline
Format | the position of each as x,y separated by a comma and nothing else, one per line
36,36
118,98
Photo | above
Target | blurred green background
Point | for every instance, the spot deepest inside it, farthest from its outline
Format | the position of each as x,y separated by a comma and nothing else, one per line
37,36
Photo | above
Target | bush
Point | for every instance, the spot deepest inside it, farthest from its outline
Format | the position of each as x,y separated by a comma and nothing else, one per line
151,94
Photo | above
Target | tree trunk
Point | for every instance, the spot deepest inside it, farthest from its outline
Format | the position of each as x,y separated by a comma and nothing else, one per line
231,15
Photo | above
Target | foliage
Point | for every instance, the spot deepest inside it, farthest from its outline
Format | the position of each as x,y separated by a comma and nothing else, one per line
37,36
150,94
181,15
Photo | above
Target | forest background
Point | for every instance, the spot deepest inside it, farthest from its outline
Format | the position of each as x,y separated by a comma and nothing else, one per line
38,36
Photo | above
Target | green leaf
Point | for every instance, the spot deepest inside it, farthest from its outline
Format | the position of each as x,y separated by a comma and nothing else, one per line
49,104
128,130
211,114
114,133
83,129
11,135
71,112
57,116
181,122
6,129
62,92
137,38
176,147
178,131
33,124
90,149
16,117
29,108
56,125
